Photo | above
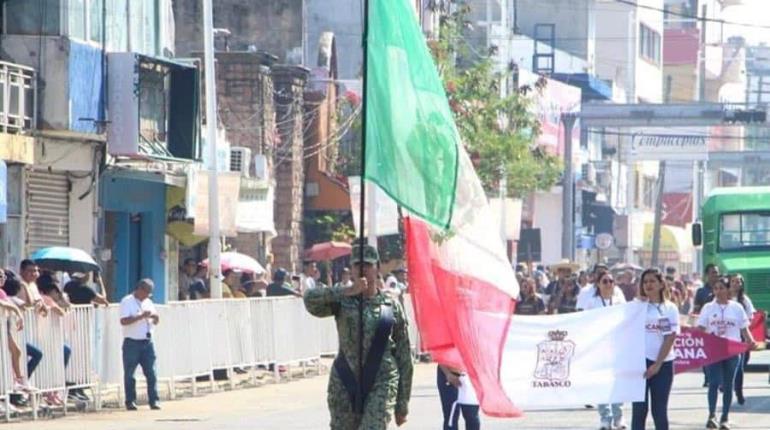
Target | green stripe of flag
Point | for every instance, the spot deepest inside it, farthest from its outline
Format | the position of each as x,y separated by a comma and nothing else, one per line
411,139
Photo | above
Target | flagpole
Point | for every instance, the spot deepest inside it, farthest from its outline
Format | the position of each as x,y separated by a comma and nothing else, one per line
359,406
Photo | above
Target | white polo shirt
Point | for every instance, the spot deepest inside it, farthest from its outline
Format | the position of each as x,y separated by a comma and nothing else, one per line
662,319
130,306
725,321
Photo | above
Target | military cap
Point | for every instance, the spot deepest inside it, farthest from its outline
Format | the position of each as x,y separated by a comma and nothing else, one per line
370,254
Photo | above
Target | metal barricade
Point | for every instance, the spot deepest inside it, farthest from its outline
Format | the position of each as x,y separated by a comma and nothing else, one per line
262,321
80,335
219,339
47,335
109,341
6,373
241,339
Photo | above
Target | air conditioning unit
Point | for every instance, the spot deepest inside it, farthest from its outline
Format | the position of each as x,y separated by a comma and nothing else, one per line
260,166
239,160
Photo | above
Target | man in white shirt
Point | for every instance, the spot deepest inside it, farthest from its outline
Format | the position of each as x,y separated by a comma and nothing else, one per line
309,275
137,317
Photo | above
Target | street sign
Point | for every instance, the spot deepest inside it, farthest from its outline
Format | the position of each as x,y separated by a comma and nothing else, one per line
683,147
604,241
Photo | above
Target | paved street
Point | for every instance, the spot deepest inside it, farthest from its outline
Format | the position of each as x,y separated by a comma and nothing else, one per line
300,405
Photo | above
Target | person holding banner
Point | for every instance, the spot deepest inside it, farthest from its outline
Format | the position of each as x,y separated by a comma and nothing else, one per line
726,319
738,293
661,328
610,416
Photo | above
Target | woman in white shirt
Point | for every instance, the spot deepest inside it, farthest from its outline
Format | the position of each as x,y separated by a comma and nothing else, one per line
610,416
727,319
660,329
738,293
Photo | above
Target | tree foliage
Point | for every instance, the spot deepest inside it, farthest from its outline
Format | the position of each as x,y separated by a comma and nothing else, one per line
498,130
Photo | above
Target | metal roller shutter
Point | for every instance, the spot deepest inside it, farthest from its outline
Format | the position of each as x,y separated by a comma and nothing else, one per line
47,210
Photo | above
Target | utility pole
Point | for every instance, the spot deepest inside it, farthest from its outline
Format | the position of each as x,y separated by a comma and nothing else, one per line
211,137
700,166
658,213
568,195
659,196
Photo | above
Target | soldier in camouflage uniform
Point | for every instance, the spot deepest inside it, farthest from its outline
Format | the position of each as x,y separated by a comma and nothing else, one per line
393,382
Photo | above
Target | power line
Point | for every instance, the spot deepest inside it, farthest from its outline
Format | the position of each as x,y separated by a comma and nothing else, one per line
693,17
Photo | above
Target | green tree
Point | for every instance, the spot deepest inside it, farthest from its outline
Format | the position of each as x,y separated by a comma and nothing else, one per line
498,130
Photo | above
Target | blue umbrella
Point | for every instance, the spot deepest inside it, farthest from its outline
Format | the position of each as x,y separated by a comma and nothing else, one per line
64,259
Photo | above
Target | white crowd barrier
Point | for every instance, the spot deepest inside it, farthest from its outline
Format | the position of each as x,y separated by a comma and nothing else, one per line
192,339
6,373
79,335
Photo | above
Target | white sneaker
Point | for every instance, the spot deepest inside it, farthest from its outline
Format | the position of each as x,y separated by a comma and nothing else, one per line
619,424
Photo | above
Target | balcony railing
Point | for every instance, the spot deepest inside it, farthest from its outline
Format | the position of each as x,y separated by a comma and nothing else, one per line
18,98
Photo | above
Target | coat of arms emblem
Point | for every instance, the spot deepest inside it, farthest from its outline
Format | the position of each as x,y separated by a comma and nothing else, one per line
554,356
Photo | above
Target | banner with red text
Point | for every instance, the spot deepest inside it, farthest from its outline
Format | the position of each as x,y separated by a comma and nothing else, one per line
695,349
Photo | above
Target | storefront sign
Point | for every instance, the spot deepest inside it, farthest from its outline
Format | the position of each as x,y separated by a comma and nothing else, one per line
668,147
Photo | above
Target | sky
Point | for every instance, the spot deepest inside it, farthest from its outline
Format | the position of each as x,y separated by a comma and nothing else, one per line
752,12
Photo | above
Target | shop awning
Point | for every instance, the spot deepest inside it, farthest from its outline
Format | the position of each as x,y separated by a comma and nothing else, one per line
675,243
592,87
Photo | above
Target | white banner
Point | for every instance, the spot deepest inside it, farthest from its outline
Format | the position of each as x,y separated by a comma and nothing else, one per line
590,357
228,184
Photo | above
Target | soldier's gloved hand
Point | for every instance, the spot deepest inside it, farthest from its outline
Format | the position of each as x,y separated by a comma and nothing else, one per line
359,286
400,420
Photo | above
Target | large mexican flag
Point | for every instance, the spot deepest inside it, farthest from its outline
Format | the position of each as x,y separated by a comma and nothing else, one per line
461,280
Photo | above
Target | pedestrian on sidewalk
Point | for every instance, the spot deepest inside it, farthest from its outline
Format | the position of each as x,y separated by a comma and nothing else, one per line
603,295
738,293
727,319
457,397
138,316
661,327
365,401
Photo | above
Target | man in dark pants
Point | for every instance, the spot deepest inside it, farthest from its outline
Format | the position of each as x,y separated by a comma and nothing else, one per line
138,316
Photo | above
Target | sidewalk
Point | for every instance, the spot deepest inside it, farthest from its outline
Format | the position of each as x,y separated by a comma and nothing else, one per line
301,405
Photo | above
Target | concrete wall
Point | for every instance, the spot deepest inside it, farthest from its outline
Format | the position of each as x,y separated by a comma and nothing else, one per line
273,26
572,18
53,76
649,76
618,53
65,99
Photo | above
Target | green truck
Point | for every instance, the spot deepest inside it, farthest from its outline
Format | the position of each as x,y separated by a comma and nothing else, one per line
735,234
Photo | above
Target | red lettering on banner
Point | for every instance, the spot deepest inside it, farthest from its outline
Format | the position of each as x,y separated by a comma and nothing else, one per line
694,349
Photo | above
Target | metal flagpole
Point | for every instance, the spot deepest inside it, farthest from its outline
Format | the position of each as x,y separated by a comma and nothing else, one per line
359,406
211,138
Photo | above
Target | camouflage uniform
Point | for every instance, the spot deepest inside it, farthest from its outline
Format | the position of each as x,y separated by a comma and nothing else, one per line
393,384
